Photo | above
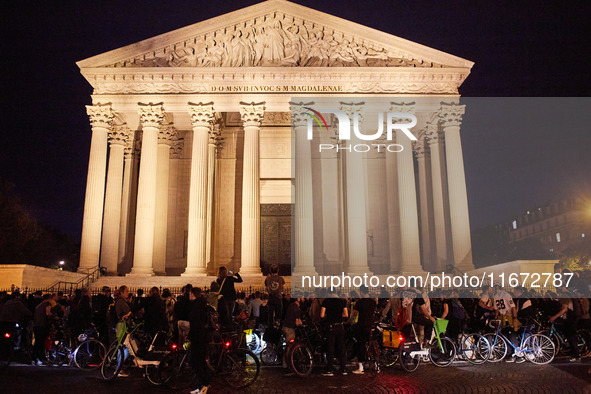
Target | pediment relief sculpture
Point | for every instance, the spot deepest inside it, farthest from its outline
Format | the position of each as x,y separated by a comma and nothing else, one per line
275,41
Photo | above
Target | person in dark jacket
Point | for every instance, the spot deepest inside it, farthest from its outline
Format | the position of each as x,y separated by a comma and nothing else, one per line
227,292
155,312
199,337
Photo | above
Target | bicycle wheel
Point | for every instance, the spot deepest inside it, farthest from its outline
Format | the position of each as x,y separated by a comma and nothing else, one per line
475,348
408,362
539,349
241,368
373,359
498,347
558,348
301,360
57,355
6,350
585,336
89,354
175,372
253,343
444,355
112,363
269,355
388,357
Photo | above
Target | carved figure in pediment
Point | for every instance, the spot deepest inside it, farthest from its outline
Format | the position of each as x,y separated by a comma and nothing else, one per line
242,50
343,56
273,49
314,54
376,58
213,55
293,46
228,49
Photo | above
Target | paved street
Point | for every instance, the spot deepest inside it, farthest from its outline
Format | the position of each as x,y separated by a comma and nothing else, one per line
489,378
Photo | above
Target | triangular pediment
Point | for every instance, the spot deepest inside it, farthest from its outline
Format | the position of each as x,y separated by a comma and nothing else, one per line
275,33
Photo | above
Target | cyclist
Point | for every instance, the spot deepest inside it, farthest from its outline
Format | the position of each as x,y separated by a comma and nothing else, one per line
43,313
364,309
274,284
293,318
227,292
333,311
567,317
504,306
181,312
199,337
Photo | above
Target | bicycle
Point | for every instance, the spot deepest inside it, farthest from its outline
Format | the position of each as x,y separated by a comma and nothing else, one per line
441,350
238,367
306,351
536,348
474,348
126,348
562,345
388,343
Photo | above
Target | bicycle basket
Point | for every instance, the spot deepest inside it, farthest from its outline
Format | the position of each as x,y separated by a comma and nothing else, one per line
440,325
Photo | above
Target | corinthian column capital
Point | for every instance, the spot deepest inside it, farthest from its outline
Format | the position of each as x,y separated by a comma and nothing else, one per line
420,148
300,114
432,134
252,113
119,135
101,115
166,134
451,114
202,115
151,115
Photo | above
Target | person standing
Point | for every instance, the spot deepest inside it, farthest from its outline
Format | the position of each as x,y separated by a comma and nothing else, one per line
43,312
334,311
274,284
199,337
100,307
227,292
181,312
364,310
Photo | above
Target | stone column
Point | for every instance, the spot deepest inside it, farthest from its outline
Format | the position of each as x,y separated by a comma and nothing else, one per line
407,197
101,118
127,197
252,116
202,117
214,138
151,116
438,178
356,202
304,204
165,136
424,191
393,210
451,119
118,138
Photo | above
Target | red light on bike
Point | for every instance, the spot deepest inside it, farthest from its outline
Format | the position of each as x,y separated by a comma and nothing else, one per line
291,340
7,335
174,346
228,344
401,338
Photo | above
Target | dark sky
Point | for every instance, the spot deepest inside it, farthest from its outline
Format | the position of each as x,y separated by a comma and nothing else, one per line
520,49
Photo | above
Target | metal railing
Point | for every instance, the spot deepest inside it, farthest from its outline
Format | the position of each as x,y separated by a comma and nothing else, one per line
85,282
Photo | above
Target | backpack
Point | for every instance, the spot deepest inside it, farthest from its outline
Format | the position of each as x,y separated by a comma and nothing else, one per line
401,318
457,311
213,319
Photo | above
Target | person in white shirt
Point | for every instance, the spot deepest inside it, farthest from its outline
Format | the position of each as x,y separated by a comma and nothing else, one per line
504,306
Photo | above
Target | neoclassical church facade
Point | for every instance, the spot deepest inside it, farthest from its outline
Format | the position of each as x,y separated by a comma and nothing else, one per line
190,163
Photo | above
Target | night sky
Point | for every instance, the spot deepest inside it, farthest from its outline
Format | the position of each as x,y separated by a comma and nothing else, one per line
520,49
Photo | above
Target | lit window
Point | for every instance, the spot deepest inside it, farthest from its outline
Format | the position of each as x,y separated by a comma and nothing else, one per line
551,250
583,235
515,225
557,237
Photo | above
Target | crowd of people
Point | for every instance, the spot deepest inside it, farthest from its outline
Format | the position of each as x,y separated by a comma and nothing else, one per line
193,314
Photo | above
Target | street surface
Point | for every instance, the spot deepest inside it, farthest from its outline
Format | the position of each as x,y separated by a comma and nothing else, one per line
559,377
